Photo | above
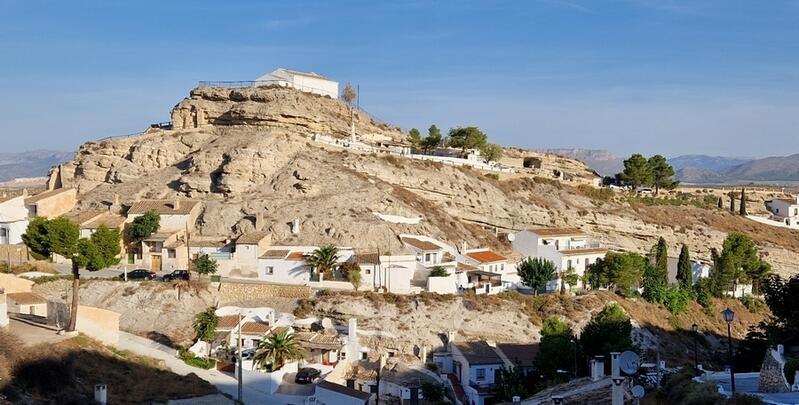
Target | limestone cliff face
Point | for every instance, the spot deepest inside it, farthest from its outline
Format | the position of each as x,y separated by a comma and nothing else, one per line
274,107
252,163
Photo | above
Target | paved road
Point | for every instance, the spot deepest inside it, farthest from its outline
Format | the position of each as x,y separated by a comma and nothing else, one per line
223,382
104,273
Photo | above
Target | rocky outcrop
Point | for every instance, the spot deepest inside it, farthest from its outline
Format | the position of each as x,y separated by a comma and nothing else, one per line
273,107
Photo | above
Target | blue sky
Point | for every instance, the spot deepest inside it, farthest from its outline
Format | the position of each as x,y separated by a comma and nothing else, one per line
652,76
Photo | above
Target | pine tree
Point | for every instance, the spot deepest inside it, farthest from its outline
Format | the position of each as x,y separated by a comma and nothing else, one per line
743,202
684,271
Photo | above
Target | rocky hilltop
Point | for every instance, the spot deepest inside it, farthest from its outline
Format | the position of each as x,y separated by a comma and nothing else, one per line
248,155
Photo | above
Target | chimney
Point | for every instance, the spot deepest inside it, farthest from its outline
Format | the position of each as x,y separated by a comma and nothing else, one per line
597,368
614,364
352,330
271,318
424,354
116,200
351,383
295,226
780,350
450,340
176,204
25,193
259,221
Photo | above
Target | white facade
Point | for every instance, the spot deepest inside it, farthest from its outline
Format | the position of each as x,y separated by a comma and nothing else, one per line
785,210
307,82
476,377
392,273
13,220
567,248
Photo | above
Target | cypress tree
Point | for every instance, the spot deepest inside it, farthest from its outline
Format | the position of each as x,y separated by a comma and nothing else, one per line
684,271
721,203
732,203
743,202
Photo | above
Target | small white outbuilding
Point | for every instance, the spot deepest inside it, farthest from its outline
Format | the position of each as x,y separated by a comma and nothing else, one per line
309,82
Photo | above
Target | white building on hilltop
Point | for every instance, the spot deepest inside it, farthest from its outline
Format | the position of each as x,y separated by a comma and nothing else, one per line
785,210
13,219
308,82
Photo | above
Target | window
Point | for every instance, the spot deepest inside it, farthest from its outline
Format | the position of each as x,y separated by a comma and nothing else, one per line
502,267
363,356
170,253
569,263
368,271
480,374
270,270
430,257
3,233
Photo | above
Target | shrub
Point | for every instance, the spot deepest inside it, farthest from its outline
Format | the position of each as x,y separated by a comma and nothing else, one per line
596,194
492,176
438,271
702,291
532,162
194,361
753,304
393,160
676,299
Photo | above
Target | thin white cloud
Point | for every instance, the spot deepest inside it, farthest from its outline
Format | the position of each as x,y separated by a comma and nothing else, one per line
285,23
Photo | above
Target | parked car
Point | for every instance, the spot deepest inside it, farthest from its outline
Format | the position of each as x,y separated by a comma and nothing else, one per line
177,275
307,375
139,274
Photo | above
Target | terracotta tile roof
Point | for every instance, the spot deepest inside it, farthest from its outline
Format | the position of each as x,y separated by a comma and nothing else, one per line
520,354
275,254
84,216
421,244
296,256
47,194
107,219
252,238
461,267
367,258
316,340
557,231
163,207
253,327
215,243
578,252
227,322
278,329
486,256
478,352
26,298
341,389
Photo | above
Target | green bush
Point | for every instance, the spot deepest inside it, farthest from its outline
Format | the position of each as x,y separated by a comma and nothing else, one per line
753,304
703,293
791,366
194,361
676,299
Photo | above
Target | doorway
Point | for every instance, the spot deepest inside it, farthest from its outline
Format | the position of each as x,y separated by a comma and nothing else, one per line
155,263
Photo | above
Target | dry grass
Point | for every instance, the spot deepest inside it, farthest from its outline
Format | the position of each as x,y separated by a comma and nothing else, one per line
67,372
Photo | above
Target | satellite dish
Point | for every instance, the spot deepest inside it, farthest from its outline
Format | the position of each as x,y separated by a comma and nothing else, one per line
511,237
638,391
629,362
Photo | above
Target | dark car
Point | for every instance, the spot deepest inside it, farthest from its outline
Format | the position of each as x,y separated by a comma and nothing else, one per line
139,274
307,375
177,275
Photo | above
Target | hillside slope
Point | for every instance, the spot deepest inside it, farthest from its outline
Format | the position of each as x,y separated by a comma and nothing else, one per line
265,173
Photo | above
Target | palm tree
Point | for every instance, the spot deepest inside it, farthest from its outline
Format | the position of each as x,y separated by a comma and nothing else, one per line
323,259
278,348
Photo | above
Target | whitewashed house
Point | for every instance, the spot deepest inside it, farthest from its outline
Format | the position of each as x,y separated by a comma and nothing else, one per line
476,364
785,210
285,265
165,250
567,248
13,219
308,82
390,273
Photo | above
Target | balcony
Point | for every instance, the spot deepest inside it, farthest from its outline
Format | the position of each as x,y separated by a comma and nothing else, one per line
482,387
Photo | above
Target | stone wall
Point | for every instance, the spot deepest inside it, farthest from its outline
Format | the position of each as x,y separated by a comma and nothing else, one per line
241,292
772,377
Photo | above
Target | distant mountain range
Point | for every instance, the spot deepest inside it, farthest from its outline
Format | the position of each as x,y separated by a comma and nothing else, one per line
34,163
701,169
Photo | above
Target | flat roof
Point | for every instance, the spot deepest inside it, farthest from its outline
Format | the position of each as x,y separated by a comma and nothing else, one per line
566,231
26,298
275,254
578,252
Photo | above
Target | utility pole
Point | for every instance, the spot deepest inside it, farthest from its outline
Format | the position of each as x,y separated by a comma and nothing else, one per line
238,365
188,251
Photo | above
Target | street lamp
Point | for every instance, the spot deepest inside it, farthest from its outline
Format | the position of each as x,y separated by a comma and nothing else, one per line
729,316
695,330
574,342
